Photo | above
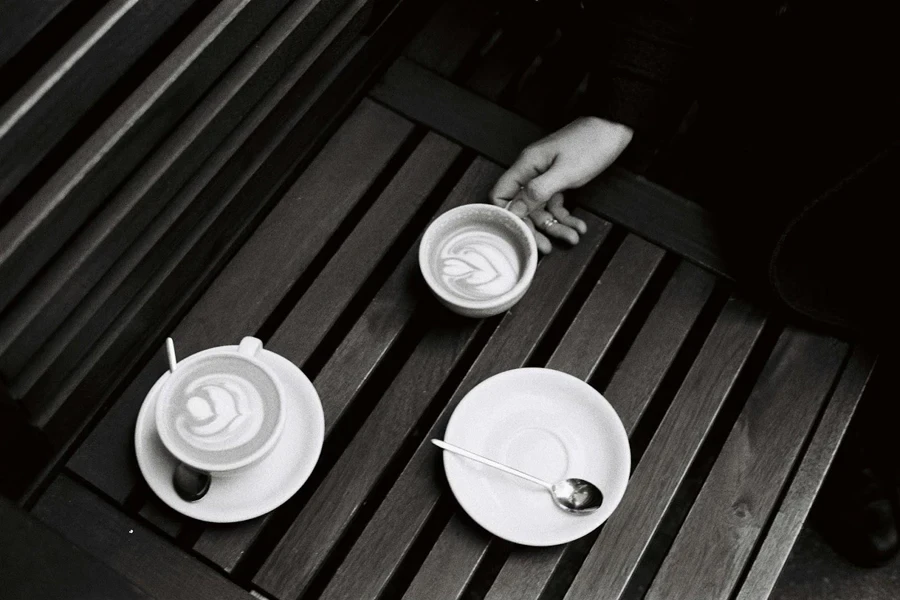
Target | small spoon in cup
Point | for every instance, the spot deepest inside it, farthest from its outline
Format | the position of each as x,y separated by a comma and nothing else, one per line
572,495
189,483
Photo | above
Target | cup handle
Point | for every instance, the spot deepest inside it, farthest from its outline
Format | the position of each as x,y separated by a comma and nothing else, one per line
250,346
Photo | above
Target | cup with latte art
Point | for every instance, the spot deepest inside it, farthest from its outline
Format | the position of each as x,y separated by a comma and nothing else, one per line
478,259
221,410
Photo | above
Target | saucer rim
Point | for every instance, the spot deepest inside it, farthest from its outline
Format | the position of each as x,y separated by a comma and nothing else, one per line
190,509
489,526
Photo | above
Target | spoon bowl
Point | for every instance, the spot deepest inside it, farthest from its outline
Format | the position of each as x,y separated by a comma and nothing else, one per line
189,483
577,495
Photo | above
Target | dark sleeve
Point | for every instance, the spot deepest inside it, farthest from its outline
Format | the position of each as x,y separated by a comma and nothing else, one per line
644,61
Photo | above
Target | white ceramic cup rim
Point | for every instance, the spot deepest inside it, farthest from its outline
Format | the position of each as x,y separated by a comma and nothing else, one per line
524,279
261,452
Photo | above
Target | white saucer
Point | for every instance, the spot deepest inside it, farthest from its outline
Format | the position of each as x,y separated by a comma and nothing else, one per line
260,489
546,423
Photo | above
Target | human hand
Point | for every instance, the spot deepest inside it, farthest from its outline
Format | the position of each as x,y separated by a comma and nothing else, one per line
569,158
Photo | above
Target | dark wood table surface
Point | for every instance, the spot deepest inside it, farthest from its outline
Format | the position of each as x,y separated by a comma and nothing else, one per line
733,413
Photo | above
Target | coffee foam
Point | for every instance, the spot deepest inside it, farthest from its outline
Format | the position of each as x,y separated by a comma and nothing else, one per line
221,409
478,262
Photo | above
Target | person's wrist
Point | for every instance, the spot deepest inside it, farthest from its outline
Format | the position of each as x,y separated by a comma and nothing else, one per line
620,132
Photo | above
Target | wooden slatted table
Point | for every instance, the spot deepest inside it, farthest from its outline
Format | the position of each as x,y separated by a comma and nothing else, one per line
733,413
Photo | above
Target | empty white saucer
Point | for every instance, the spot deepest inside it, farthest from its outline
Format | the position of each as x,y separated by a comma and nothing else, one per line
261,488
548,424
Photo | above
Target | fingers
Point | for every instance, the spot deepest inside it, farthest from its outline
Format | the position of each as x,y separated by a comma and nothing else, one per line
543,187
529,165
519,207
559,212
543,244
544,221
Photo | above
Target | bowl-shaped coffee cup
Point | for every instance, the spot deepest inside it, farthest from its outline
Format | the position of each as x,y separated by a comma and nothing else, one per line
478,259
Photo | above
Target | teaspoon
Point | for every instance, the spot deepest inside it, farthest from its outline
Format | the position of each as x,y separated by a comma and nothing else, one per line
572,495
189,483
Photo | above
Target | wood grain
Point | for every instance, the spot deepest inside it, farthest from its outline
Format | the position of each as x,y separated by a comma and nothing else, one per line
37,562
35,118
329,294
792,513
365,345
329,511
71,194
527,573
312,536
716,539
604,311
195,236
414,495
153,564
622,542
267,163
53,296
459,114
22,21
257,277
452,561
579,353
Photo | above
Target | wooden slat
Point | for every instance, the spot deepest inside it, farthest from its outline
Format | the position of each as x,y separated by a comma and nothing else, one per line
22,21
256,279
526,573
716,539
60,207
791,515
648,210
327,297
36,562
452,561
413,497
354,361
161,516
328,512
40,114
312,536
267,162
55,294
462,545
447,38
454,112
623,541
671,221
602,315
191,239
155,565
324,301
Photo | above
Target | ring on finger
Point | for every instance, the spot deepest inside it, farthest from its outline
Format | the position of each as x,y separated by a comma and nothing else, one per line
549,222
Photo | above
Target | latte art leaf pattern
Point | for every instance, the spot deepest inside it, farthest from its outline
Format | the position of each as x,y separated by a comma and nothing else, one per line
222,412
478,266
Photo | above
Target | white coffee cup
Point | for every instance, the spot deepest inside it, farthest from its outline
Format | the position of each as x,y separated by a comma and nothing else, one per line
478,259
221,410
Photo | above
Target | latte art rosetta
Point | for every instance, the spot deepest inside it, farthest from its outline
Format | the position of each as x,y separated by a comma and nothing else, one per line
219,412
477,265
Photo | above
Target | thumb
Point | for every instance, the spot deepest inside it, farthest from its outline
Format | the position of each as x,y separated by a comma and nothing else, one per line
539,190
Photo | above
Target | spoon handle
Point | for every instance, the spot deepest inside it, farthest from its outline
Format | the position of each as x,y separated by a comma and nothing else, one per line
489,462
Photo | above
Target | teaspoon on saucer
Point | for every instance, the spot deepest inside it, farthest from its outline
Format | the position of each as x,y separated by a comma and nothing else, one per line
572,495
189,483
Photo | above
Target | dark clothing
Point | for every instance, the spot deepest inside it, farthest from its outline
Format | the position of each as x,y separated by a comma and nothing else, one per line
798,120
